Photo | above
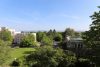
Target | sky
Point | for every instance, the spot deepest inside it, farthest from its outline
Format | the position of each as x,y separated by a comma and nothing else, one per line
35,15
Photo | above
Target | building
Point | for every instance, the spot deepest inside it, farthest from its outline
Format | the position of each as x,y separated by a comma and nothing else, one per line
28,32
17,36
75,43
11,30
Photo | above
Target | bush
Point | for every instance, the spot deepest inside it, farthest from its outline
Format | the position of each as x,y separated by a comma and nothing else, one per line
15,63
4,52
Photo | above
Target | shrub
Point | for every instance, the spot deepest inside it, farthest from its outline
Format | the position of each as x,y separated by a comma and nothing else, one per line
15,63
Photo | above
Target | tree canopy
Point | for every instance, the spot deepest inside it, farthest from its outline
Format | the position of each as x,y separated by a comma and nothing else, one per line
27,40
46,41
92,37
71,32
40,36
49,57
5,35
58,37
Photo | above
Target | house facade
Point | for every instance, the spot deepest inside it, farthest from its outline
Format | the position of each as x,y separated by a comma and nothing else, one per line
75,43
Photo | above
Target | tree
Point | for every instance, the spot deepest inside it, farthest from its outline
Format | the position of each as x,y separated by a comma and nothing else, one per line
92,38
44,38
49,57
47,41
69,32
53,35
47,38
78,34
54,32
58,37
6,35
40,36
50,34
27,40
4,51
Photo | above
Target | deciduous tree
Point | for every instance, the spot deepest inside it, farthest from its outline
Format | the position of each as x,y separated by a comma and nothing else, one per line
27,40
5,35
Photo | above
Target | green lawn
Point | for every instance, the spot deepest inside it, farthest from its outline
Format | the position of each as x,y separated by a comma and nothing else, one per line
18,53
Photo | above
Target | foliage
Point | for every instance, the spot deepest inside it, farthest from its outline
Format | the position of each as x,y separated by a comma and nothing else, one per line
40,36
52,34
4,52
15,63
58,37
49,57
47,38
92,38
63,45
27,40
46,41
78,34
71,32
6,35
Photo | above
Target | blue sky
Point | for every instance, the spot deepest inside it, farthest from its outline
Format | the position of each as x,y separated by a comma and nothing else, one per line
47,14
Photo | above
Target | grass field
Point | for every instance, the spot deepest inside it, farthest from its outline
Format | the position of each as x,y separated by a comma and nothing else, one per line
18,53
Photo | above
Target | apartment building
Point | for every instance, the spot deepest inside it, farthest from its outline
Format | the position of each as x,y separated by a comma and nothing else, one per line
17,36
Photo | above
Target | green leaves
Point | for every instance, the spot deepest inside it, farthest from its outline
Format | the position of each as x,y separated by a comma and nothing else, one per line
5,35
49,57
92,37
27,40
4,51
40,36
47,41
71,32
